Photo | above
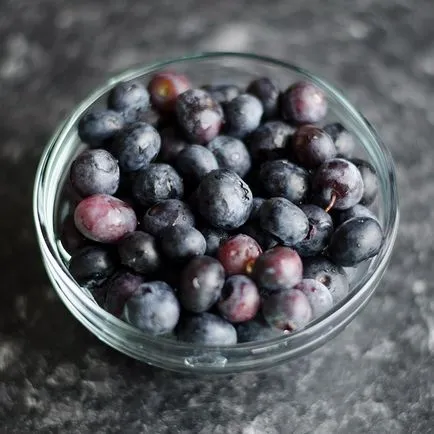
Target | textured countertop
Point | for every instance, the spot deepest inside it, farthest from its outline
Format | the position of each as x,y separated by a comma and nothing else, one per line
375,377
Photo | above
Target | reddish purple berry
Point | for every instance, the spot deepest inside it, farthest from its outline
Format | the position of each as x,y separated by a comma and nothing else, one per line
320,298
238,254
239,300
104,218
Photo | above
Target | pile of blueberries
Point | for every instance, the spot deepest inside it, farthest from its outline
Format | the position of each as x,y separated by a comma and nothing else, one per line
218,215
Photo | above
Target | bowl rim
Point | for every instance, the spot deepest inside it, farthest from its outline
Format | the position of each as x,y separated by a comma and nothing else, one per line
328,320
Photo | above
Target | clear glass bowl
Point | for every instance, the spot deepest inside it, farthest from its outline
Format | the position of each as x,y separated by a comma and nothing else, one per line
170,354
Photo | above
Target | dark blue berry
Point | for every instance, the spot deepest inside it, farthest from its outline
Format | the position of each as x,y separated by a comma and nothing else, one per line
284,220
303,103
358,210
99,125
281,178
91,266
288,310
172,143
337,184
138,250
256,330
194,162
269,141
222,93
320,231
224,199
243,115
206,329
182,242
152,308
165,214
320,298
199,115
343,139
156,183
214,238
119,288
329,274
201,283
95,171
354,241
136,146
263,238
312,146
130,99
277,269
231,154
268,93
370,181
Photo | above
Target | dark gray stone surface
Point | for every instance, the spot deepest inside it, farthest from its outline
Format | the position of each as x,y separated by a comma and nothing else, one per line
375,377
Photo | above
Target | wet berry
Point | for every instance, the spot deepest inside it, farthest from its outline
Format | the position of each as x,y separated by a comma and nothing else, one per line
194,162
342,138
104,218
214,238
201,283
358,210
242,115
370,181
303,103
238,254
320,299
278,268
268,93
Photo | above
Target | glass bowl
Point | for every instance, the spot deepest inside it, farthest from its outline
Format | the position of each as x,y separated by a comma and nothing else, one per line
170,354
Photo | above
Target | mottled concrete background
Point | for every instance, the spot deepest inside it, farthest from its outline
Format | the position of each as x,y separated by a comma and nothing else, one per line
376,377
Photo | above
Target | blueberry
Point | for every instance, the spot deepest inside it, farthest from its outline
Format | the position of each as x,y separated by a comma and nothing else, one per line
201,283
288,310
238,254
355,240
269,141
312,146
329,274
343,139
276,269
281,178
263,238
104,218
165,214
119,288
151,117
284,220
320,231
356,211
370,181
158,182
165,87
337,184
256,330
243,115
320,299
214,238
138,250
194,162
239,300
207,329
130,99
182,242
268,93
136,146
231,154
172,143
94,171
303,103
257,203
222,93
91,266
199,115
152,308
224,199
99,125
